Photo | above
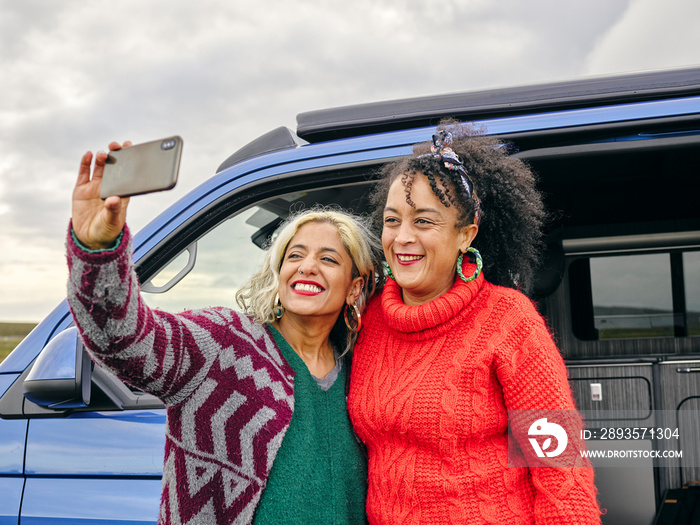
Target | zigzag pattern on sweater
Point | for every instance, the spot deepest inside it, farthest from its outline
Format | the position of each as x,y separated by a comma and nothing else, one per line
228,391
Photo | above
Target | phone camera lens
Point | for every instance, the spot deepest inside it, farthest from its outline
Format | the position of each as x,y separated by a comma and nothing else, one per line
167,144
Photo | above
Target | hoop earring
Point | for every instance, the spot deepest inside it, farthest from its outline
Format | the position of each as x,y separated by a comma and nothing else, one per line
389,274
479,265
279,309
358,317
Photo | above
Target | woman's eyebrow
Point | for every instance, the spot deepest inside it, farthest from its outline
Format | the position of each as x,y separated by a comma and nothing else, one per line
304,247
427,210
418,210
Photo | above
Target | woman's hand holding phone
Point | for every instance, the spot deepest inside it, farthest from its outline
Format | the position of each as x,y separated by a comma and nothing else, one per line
97,223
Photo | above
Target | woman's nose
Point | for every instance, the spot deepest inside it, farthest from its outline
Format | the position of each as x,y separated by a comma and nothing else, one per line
308,266
405,234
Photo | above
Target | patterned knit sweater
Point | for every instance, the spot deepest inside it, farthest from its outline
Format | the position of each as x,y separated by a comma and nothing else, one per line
229,392
429,395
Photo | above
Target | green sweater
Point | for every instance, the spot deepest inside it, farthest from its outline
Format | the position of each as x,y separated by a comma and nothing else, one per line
320,472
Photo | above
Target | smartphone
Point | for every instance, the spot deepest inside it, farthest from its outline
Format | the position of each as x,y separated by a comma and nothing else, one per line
142,168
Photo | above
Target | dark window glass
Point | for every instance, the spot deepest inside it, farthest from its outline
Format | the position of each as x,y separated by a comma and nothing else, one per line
691,269
632,296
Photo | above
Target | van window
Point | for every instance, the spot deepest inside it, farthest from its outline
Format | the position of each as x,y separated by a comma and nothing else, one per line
691,266
632,296
226,258
636,296
232,251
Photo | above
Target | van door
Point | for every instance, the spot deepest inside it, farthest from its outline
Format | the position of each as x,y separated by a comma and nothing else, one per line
102,466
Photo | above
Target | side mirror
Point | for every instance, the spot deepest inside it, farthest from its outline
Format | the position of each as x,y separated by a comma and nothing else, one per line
61,375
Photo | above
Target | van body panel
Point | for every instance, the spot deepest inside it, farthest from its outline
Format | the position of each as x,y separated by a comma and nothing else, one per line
68,501
11,490
126,443
6,381
14,434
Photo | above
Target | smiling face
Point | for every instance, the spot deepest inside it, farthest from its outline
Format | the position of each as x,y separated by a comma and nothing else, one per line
421,242
316,273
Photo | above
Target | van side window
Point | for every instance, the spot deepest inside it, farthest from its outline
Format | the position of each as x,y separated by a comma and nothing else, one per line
691,267
632,296
231,251
226,258
635,296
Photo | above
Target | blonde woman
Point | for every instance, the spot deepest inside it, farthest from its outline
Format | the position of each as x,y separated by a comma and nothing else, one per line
257,427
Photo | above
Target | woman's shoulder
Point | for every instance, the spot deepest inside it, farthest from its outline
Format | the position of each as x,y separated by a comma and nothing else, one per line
218,315
513,303
373,309
519,316
224,322
233,329
374,301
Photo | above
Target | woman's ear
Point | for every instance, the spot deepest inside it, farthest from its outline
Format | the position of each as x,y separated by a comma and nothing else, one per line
355,290
468,236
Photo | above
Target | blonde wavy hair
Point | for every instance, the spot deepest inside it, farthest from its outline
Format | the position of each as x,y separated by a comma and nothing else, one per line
257,296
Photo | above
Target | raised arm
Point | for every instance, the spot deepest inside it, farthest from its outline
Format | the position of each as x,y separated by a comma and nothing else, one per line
162,353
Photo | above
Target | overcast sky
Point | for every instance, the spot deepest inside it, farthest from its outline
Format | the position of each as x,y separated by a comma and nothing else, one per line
77,74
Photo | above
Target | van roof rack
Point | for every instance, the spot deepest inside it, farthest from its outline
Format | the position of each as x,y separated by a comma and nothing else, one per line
378,117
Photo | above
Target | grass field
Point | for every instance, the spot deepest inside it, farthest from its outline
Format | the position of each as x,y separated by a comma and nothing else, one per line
10,336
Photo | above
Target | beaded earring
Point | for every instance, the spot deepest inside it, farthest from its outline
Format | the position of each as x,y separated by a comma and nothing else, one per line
479,265
389,274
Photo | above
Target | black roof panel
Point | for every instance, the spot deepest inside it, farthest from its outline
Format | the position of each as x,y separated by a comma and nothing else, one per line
348,121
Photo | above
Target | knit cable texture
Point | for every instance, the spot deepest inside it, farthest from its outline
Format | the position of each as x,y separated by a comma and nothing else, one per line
228,391
430,393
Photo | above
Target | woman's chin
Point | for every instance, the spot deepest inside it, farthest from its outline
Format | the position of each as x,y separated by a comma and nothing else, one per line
407,277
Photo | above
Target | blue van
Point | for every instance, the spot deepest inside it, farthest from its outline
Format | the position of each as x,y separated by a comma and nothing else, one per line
616,158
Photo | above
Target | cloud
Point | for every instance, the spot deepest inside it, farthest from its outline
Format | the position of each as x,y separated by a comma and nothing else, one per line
650,35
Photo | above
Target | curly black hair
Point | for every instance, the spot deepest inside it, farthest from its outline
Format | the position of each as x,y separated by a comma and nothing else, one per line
512,211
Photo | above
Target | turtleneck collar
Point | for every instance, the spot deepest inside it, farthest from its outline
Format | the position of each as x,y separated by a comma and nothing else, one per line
439,315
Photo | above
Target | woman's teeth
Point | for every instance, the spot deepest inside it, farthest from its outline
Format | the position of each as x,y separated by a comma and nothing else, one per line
308,288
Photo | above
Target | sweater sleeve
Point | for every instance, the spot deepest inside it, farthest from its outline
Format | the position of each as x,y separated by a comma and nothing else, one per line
164,354
534,380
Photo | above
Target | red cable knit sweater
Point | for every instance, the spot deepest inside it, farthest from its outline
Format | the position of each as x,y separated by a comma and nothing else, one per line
430,390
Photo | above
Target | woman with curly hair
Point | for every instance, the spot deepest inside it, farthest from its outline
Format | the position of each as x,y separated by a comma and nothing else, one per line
257,429
453,344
